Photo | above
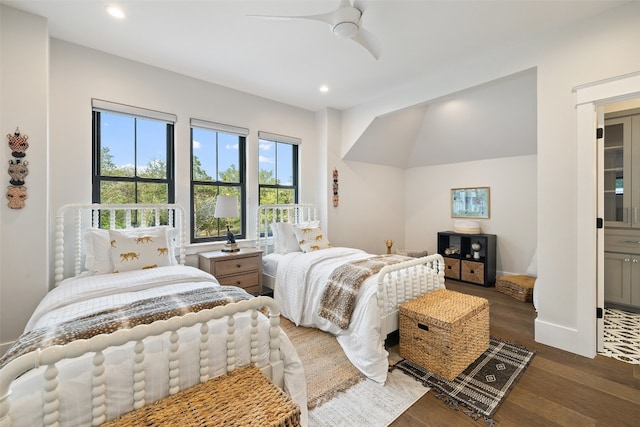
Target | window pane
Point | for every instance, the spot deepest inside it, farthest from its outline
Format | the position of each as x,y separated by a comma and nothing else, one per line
267,162
205,225
112,192
268,196
284,164
204,154
286,196
151,148
152,193
117,156
228,158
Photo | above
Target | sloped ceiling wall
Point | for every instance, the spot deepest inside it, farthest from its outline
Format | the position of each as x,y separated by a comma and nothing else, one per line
493,120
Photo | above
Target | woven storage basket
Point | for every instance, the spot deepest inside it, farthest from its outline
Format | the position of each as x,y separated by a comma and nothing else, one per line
444,331
519,287
243,397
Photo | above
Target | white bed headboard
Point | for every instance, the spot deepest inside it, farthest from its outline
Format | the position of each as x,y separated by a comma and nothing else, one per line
293,213
73,219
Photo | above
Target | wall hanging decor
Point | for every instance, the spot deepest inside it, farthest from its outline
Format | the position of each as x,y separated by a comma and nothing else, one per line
336,198
470,202
18,170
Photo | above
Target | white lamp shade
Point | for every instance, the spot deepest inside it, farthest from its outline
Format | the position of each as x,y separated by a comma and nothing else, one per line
226,207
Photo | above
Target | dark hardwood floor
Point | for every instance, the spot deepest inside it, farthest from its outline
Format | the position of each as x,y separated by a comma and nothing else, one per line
557,389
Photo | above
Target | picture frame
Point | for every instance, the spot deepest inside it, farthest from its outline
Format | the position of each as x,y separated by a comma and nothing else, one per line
472,202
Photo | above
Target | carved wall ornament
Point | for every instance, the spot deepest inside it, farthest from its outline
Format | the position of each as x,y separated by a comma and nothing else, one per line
336,198
16,196
18,144
18,170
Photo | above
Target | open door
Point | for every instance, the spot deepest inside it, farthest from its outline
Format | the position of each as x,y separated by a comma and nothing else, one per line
600,229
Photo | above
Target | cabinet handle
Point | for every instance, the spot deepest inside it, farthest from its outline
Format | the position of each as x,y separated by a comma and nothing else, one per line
627,260
635,214
625,215
635,260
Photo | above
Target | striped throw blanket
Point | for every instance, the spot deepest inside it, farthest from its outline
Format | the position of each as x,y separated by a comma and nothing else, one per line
144,311
339,297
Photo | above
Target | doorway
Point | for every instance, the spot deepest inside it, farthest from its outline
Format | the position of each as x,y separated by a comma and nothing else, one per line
590,101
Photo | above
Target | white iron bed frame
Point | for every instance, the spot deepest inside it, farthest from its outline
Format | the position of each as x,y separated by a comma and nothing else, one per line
397,283
50,356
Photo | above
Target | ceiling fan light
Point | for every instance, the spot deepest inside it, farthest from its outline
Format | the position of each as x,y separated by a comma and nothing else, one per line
345,30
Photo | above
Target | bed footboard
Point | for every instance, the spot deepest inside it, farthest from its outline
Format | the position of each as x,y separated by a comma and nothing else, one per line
50,357
405,281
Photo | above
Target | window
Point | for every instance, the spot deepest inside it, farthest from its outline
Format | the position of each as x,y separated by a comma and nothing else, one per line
217,167
278,174
132,155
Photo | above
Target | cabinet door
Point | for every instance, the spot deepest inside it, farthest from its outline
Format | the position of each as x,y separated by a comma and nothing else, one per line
617,277
617,172
635,280
635,172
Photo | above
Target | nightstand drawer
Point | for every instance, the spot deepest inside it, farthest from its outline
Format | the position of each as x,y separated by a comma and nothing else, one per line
249,281
236,265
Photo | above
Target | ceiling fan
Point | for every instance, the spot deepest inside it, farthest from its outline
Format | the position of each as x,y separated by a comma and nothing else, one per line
344,23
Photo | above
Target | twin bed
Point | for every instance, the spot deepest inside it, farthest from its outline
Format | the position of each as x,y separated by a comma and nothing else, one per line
102,344
301,267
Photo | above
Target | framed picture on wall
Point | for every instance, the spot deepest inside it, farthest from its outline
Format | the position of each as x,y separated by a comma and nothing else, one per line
470,202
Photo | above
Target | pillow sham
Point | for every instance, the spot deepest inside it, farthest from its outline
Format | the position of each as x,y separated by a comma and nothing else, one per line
311,238
288,242
97,253
139,251
98,246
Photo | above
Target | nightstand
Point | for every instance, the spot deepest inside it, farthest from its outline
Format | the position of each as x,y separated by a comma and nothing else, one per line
242,268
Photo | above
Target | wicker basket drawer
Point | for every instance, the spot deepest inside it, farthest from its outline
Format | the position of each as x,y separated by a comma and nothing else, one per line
473,271
444,331
452,268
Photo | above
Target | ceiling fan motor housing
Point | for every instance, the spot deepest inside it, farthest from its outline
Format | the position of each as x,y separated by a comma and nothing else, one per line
346,21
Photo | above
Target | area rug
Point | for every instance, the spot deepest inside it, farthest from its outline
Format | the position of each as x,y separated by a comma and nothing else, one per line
369,404
326,367
621,335
482,387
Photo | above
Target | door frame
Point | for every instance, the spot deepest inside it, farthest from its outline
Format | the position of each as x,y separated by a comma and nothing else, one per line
590,101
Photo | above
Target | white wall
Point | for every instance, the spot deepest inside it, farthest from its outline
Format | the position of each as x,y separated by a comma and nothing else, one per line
512,181
593,50
24,237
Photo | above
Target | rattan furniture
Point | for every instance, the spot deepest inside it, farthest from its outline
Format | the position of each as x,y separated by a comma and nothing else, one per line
444,331
519,287
243,397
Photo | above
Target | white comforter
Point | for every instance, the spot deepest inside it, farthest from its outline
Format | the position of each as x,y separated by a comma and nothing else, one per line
90,294
300,282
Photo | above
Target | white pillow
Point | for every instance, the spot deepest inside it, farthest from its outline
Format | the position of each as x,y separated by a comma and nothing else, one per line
139,251
97,253
311,239
532,269
288,239
277,243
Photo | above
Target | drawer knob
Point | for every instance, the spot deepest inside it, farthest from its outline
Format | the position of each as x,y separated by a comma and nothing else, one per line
238,265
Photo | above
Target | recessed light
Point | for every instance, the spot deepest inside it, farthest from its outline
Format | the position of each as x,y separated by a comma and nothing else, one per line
324,88
115,11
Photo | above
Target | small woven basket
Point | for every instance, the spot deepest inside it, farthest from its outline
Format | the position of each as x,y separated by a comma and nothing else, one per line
519,287
444,331
243,397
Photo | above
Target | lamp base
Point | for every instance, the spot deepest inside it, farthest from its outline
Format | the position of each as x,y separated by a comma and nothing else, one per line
231,247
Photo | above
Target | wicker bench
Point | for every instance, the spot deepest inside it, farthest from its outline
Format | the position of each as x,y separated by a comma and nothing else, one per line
444,331
243,397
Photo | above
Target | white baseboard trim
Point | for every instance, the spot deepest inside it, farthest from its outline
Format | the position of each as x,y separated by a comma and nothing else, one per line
561,337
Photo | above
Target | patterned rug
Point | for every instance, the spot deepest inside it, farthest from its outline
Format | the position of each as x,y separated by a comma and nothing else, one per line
482,387
621,335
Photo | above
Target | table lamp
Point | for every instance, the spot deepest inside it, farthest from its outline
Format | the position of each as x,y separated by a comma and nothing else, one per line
227,207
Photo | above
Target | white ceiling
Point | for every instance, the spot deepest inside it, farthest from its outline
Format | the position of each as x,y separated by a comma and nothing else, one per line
287,61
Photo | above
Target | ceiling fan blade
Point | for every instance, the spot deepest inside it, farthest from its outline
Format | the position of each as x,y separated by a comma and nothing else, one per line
328,18
369,42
